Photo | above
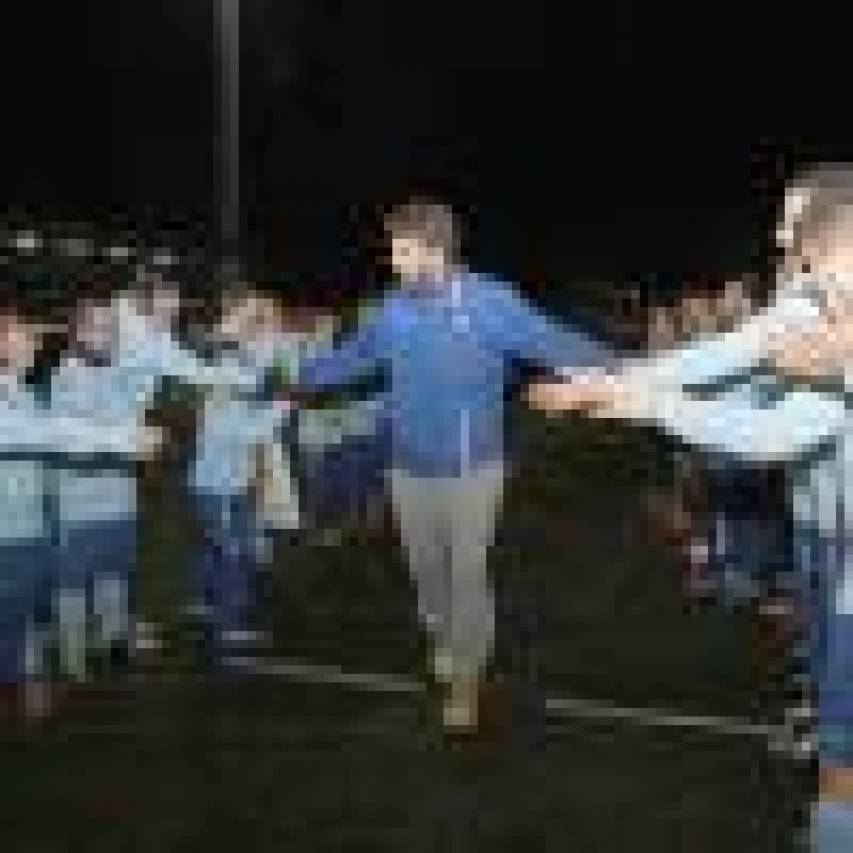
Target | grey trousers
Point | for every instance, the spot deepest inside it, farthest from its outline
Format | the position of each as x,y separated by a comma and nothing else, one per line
447,525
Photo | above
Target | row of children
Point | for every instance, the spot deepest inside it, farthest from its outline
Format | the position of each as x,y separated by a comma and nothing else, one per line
69,458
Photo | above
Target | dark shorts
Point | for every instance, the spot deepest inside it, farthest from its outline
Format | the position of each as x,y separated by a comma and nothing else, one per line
102,548
750,535
24,600
227,563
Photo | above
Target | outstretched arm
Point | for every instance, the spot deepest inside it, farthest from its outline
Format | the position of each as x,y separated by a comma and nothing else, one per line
338,364
33,431
734,423
709,357
523,330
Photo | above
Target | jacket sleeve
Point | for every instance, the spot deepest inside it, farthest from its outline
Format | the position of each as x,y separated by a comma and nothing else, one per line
338,364
526,332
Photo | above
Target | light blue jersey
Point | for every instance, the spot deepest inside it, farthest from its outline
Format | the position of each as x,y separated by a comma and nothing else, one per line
742,407
240,419
121,389
30,437
749,411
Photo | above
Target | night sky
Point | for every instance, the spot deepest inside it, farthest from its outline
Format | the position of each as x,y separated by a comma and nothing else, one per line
592,139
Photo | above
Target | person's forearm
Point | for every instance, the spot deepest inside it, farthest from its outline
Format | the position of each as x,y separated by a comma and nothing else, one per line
802,420
713,356
70,434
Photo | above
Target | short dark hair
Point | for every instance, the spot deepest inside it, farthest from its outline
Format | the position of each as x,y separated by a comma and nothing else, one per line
824,190
427,219
27,302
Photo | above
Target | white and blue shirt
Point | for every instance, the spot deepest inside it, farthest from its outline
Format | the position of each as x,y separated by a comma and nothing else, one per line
241,418
120,389
31,436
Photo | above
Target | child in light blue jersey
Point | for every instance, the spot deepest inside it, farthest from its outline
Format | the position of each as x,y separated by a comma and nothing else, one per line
117,358
778,389
239,432
31,437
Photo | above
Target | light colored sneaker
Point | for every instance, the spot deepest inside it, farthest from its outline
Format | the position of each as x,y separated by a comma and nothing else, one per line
39,700
442,666
147,637
460,707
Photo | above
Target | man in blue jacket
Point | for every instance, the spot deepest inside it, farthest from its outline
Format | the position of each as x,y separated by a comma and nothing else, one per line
446,339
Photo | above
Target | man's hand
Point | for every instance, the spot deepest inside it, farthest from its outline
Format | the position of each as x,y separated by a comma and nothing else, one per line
559,396
591,391
597,394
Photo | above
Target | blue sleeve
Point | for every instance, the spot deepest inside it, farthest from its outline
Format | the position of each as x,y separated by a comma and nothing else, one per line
348,360
526,332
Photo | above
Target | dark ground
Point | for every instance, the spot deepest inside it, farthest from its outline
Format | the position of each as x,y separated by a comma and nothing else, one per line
264,765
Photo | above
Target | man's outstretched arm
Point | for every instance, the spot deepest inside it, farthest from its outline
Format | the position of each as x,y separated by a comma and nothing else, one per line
341,363
525,331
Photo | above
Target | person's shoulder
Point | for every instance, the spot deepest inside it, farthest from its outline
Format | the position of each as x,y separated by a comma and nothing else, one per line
490,289
388,310
69,369
486,282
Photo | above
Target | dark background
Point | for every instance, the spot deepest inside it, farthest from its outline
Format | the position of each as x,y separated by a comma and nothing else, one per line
593,139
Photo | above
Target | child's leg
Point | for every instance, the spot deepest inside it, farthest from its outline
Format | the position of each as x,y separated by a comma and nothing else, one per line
835,696
832,672
72,567
23,582
832,816
112,580
19,566
226,566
